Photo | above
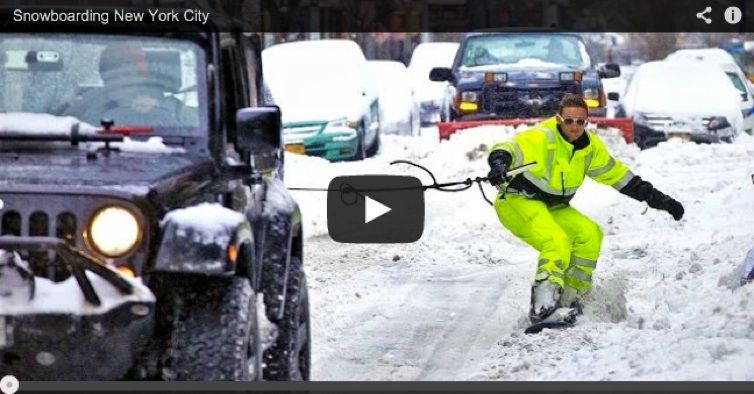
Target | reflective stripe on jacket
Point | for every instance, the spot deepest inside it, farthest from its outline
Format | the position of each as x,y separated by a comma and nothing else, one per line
560,168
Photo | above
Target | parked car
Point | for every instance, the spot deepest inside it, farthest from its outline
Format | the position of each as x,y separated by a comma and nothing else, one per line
399,112
737,77
690,100
330,104
435,97
144,231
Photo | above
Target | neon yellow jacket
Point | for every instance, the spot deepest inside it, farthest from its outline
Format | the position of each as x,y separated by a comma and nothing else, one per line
561,165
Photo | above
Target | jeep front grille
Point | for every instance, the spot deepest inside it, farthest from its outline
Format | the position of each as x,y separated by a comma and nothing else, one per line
38,225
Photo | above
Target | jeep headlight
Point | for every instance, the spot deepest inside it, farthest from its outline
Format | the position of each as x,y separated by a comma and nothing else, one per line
114,231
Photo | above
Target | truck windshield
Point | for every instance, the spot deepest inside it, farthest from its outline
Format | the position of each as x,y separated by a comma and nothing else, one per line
564,50
138,81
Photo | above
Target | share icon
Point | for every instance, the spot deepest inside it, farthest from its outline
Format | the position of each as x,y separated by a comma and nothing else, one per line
700,15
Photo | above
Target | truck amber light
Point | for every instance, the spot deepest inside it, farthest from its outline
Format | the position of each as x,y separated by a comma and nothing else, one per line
592,103
468,106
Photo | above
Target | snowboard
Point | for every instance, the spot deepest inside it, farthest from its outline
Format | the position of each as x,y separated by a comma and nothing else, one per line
538,327
560,319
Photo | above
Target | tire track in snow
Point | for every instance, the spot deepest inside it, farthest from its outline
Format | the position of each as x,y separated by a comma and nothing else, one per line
426,322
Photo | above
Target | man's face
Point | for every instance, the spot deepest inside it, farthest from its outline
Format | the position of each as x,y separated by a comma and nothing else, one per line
572,115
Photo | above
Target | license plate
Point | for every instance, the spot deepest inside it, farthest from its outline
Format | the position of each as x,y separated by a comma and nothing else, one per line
683,136
295,148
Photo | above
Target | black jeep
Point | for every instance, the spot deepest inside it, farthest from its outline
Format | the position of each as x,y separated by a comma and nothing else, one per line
522,75
146,232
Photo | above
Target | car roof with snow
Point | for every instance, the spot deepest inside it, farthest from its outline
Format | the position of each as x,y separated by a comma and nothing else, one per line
683,87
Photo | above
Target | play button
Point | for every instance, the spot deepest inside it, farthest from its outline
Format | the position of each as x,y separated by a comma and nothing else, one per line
374,209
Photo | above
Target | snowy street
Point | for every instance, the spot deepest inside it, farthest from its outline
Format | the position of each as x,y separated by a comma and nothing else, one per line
453,305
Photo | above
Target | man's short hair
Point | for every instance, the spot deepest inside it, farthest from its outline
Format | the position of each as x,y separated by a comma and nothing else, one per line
572,100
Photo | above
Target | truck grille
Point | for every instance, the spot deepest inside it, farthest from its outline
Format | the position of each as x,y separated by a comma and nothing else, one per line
516,100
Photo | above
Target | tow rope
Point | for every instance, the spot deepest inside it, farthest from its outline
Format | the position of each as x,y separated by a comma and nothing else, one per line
458,186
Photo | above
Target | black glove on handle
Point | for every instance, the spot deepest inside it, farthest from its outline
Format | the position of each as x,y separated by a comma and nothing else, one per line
499,161
641,190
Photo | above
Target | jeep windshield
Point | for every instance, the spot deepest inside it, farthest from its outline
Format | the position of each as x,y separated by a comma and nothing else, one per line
144,83
525,50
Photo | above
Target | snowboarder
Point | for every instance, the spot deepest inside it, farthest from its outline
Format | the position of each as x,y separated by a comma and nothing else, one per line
534,205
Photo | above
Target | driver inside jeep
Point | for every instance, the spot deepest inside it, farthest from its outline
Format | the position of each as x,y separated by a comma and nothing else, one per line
132,91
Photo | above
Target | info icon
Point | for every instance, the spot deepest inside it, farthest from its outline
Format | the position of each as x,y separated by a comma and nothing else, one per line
372,209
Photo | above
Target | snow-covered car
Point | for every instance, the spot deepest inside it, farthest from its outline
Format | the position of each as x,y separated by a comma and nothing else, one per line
435,98
523,75
685,99
330,104
145,237
399,112
728,64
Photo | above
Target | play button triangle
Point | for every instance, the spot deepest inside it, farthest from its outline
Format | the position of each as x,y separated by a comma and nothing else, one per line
374,209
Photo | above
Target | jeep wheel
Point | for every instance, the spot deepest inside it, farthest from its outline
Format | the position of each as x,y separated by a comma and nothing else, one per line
215,335
289,357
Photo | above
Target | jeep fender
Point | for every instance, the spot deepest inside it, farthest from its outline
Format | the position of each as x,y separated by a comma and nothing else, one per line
279,238
203,239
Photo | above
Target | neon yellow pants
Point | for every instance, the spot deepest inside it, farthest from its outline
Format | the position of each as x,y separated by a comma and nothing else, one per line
568,242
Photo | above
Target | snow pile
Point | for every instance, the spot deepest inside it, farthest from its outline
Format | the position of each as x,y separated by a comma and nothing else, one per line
207,223
33,123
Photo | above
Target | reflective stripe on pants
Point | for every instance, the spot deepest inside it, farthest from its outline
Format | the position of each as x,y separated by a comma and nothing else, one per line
565,238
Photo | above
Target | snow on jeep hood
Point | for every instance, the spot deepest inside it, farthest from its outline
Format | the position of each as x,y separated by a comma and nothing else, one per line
24,122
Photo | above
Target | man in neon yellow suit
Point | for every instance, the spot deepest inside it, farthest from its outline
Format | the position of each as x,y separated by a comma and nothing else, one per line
534,205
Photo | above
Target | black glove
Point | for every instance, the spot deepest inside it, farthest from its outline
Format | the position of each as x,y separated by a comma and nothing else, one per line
642,190
658,200
499,161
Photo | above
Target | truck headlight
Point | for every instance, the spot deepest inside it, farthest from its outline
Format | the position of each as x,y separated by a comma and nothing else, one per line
113,231
592,93
469,96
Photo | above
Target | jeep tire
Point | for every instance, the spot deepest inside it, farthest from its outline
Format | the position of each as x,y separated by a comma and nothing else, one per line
215,335
289,356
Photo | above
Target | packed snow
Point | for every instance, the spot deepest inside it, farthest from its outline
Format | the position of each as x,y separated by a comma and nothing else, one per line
453,306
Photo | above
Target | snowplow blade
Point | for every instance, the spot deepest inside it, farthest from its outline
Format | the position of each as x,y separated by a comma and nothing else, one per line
446,129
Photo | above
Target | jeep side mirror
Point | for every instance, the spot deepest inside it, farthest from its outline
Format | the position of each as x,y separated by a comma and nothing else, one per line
613,96
259,133
439,74
609,70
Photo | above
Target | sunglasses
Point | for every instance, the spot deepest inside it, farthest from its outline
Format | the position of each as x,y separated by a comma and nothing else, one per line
569,121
